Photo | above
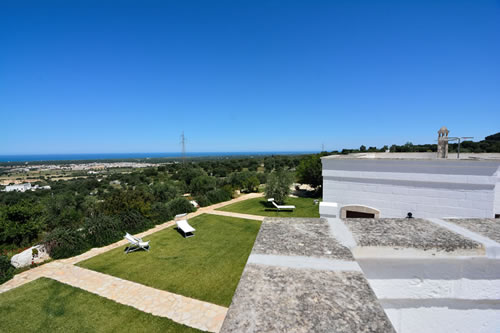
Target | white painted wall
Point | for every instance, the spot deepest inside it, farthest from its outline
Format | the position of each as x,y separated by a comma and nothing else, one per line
428,189
397,201
437,295
442,319
497,193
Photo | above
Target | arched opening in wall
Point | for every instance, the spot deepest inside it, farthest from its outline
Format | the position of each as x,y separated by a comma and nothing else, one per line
359,211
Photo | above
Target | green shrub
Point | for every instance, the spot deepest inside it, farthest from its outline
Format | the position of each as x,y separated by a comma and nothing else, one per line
179,206
6,269
160,212
202,200
202,184
134,222
218,195
63,242
102,230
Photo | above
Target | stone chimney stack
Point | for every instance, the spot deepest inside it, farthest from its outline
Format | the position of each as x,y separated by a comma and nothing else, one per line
442,151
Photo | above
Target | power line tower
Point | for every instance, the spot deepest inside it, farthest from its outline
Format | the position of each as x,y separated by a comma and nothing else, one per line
183,143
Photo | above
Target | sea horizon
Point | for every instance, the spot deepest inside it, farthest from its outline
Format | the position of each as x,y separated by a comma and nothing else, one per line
120,156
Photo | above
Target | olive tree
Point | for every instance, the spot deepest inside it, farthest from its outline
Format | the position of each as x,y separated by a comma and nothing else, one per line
278,185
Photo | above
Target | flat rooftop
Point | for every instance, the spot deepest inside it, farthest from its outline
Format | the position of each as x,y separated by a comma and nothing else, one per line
417,156
407,233
489,228
299,278
299,237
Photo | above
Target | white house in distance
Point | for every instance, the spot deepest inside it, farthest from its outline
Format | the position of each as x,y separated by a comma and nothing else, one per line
25,187
395,184
18,187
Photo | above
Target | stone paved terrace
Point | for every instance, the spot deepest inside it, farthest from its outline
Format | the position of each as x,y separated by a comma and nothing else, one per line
380,237
486,227
299,237
292,284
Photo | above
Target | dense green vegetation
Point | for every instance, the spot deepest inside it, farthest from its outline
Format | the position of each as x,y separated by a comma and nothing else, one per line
45,305
304,207
490,144
207,266
6,269
78,214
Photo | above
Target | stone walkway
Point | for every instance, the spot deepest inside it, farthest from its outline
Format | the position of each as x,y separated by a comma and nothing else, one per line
238,215
184,310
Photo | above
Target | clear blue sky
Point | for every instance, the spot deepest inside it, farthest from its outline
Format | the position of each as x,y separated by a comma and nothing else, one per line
123,76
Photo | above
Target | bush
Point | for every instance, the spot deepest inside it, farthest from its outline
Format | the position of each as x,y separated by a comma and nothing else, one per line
218,195
63,242
202,200
179,206
278,185
160,212
20,223
309,171
134,222
6,269
202,184
102,230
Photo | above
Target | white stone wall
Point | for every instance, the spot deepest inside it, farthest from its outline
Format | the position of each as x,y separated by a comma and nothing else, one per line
426,190
397,201
433,296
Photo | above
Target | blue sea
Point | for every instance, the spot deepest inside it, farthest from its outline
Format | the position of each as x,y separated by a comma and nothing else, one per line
109,156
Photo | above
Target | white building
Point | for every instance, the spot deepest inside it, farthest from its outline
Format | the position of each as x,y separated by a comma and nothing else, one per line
394,184
25,187
18,187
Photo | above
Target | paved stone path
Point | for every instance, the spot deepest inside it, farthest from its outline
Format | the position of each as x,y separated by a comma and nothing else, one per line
188,311
238,215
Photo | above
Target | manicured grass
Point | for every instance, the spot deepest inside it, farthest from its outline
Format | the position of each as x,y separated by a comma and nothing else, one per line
45,305
207,266
304,207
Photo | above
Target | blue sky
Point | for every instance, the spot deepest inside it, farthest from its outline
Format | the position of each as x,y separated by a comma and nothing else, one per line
124,76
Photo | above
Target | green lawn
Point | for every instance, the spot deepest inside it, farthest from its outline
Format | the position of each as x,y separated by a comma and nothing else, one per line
45,305
304,207
207,266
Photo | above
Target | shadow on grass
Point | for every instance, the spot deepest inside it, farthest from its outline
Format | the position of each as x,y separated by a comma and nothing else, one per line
56,305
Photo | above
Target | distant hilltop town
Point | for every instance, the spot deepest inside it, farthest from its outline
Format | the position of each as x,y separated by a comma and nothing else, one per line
82,167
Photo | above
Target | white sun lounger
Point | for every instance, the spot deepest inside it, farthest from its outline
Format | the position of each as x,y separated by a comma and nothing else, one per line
186,229
135,243
281,207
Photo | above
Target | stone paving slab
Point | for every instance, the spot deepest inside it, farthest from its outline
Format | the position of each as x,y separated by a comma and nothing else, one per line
283,299
299,237
489,228
408,233
188,311
238,215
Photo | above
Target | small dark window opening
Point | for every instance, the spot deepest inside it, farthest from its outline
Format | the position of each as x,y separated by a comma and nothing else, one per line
353,214
497,216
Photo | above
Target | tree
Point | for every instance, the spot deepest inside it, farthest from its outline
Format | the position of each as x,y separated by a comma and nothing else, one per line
202,184
309,171
21,223
362,148
278,185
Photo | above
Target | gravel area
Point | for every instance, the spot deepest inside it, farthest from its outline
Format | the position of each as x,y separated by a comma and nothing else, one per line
486,227
407,233
300,237
281,299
